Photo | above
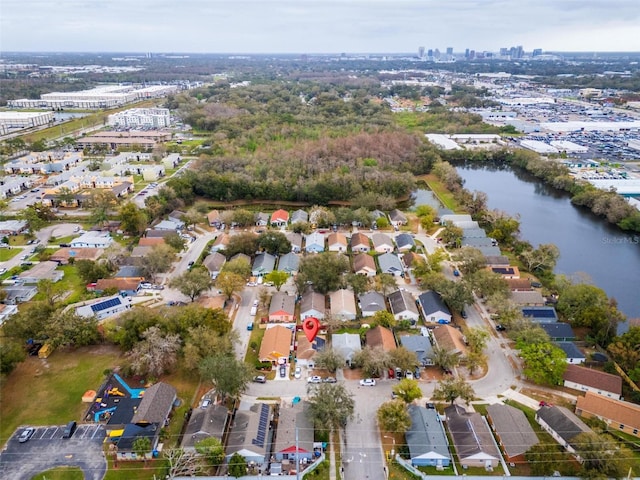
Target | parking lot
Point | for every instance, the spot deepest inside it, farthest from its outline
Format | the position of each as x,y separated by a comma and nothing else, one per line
47,449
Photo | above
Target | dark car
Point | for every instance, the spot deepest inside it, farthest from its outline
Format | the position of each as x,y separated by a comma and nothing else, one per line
463,314
501,328
536,284
69,429
283,371
26,434
431,406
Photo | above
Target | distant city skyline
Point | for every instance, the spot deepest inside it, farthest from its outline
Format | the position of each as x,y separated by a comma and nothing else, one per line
318,26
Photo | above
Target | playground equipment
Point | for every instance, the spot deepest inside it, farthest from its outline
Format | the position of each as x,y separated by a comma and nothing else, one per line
115,391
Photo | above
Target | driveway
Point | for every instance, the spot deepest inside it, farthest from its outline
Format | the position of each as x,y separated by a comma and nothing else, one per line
47,449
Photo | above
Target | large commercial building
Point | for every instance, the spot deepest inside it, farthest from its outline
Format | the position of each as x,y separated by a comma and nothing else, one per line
19,120
141,117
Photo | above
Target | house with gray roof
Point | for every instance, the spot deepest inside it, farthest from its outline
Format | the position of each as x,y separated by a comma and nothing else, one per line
243,257
205,422
397,218
559,332
262,219
250,433
347,344
540,314
403,306
382,243
454,218
573,353
342,304
16,294
282,307
421,346
289,262
295,239
299,216
405,242
477,242
491,251
263,264
391,264
294,441
562,425
312,304
427,442
513,431
528,298
371,302
214,263
156,404
42,271
433,307
314,242
472,438
474,232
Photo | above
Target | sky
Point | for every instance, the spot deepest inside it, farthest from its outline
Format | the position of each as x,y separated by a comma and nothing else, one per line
317,26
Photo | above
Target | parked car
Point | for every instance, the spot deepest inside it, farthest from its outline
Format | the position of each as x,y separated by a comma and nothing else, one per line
463,314
3,270
298,372
205,403
146,285
409,375
416,374
456,273
283,371
260,379
536,284
431,406
330,380
314,379
26,434
69,429
392,373
500,328
368,382
399,373
250,327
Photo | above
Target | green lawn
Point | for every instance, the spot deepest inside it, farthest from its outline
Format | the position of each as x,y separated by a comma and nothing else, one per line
18,240
50,393
71,282
61,473
8,253
153,469
446,197
66,239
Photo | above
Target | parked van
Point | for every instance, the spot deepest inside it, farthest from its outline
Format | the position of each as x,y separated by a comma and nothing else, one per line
69,429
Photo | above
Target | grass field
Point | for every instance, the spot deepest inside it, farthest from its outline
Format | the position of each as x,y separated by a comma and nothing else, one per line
40,392
442,193
17,240
61,473
8,253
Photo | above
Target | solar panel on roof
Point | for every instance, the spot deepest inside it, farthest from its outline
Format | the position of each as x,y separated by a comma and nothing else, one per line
262,426
112,302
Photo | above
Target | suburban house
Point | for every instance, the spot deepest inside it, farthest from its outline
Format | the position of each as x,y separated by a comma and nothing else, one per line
124,286
63,255
559,332
391,264
294,441
19,294
519,284
433,307
169,225
150,241
619,415
509,272
397,218
449,338
139,252
421,346
214,263
426,439
6,311
595,381
312,304
42,271
156,404
371,302
562,425
540,314
307,350
314,242
472,438
498,261
279,218
299,216
92,240
104,307
249,433
296,241
262,219
276,344
282,308
220,243
513,431
337,242
130,433
364,264
360,243
12,227
571,350
380,337
347,344
206,422
377,214
531,297
342,304
213,219
405,242
403,306
411,259
289,262
263,264
382,243
241,257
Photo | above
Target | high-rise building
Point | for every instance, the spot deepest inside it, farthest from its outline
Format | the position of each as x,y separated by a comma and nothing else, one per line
536,52
430,53
436,53
466,53
421,52
449,51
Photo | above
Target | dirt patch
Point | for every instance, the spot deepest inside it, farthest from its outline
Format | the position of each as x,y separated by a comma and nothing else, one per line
352,374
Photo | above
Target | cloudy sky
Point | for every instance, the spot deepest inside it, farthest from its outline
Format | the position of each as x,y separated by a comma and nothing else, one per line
317,26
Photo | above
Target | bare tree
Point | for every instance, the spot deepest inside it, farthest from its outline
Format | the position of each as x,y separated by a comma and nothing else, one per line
181,463
156,353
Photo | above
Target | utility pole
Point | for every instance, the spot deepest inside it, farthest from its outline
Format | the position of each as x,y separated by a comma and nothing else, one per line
297,455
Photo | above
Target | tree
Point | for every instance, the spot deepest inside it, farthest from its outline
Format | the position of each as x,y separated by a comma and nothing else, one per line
192,282
158,260
66,197
11,354
237,465
373,361
51,290
329,359
202,340
488,284
541,259
274,242
229,375
384,318
451,236
99,203
474,360
175,241
228,283
239,266
331,406
277,277
404,359
69,329
324,270
408,390
385,283
625,349
476,339
134,220
601,457
142,447
156,354
192,217
358,283
90,271
181,463
393,417
544,363
524,331
211,448
245,242
445,359
546,458
451,388
470,260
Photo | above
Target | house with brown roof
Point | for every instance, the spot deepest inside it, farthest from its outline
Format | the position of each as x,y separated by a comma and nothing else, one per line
214,262
220,243
380,337
513,431
213,219
337,242
508,272
282,308
449,338
529,297
595,381
360,242
279,218
364,264
619,415
519,284
150,241
63,255
472,438
127,286
411,259
276,344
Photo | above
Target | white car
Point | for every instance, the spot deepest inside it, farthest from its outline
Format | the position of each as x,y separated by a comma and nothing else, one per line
3,270
146,285
314,379
367,382
298,372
